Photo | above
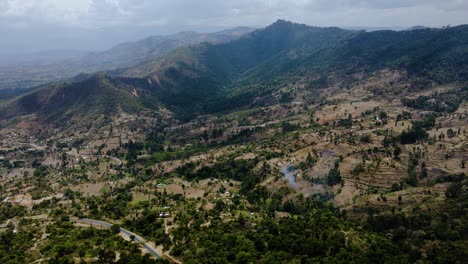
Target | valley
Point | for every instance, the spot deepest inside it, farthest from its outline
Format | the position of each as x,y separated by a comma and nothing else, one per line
293,155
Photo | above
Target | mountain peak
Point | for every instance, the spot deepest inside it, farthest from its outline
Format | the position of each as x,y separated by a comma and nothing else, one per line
281,23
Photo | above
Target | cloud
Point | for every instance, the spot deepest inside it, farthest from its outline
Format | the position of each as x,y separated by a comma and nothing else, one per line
46,11
96,13
56,22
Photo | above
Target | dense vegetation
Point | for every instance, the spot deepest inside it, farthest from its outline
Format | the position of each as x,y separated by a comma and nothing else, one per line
64,243
418,130
439,235
317,235
443,102
238,170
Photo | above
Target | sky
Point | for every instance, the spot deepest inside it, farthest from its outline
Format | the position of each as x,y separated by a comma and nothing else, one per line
36,25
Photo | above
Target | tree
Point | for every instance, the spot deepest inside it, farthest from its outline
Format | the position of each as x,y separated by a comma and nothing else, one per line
454,190
395,187
451,133
358,169
106,256
334,175
397,152
423,170
115,229
365,138
310,161
220,205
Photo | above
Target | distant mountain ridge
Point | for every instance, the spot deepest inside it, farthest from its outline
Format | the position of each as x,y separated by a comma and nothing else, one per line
130,53
122,55
216,77
256,68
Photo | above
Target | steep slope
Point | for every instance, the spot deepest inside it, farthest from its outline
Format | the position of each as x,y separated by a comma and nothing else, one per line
97,95
444,60
268,65
213,78
282,38
7,94
194,79
23,75
128,54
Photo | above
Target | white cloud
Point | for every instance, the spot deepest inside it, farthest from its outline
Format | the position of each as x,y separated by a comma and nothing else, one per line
62,11
99,24
97,13
227,13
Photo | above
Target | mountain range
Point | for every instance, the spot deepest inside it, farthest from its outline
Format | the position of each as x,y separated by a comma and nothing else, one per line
235,69
40,68
287,144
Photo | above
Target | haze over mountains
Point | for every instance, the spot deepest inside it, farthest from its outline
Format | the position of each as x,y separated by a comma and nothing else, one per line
233,69
286,144
25,71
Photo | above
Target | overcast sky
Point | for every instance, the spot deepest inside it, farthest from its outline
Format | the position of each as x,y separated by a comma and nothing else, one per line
32,25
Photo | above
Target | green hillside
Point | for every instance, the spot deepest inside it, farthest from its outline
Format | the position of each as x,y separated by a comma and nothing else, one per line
96,95
209,78
213,78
